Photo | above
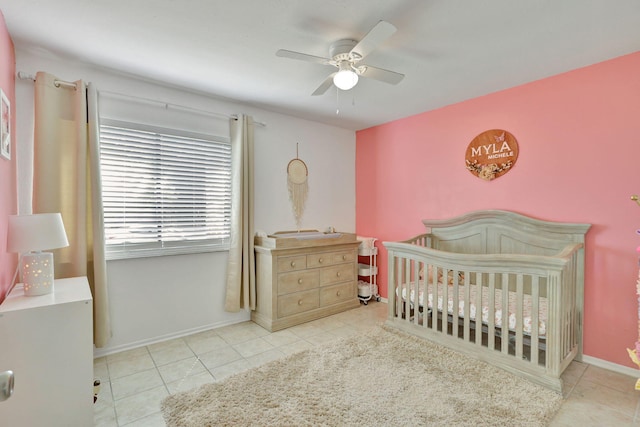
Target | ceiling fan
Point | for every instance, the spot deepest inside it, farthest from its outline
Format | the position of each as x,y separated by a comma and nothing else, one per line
346,55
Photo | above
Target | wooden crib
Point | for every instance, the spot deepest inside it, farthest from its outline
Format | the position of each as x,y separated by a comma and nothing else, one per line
497,286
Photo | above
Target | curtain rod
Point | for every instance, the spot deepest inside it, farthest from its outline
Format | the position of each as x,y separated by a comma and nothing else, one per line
24,76
168,105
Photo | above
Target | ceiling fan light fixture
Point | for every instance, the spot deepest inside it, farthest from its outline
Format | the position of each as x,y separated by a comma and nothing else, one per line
346,78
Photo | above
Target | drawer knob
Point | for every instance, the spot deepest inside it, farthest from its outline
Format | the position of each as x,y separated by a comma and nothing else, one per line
344,257
299,302
338,274
293,263
320,260
299,281
338,293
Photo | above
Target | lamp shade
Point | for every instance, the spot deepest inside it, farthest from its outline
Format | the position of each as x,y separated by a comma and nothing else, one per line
33,234
345,78
36,232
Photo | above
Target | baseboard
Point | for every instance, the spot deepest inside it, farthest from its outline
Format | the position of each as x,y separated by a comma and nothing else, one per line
100,352
604,364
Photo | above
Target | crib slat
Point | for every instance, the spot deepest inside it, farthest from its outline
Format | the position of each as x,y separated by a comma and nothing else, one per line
491,321
478,303
505,313
433,280
519,309
445,302
466,330
415,268
456,297
535,319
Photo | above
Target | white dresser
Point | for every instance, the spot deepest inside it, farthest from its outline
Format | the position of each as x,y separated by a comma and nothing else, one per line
47,341
302,280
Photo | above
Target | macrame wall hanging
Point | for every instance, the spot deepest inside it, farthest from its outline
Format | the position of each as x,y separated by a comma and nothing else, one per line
297,182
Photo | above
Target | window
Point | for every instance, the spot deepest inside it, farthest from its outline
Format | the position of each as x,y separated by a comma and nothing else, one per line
164,191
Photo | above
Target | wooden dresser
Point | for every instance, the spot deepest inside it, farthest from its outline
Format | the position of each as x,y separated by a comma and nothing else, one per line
298,280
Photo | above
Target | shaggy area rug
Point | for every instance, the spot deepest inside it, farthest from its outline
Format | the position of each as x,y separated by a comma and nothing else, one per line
381,378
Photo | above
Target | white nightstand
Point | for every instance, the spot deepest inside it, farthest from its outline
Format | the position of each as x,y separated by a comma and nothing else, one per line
47,341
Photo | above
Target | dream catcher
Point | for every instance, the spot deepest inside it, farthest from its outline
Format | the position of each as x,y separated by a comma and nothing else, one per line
297,182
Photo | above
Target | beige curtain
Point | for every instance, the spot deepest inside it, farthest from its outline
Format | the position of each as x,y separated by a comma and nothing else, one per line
241,269
66,179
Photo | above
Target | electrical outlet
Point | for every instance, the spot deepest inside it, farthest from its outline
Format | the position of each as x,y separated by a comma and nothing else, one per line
6,385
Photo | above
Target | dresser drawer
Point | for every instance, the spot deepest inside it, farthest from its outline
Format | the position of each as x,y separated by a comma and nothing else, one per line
337,293
319,259
292,263
298,281
298,302
344,256
336,274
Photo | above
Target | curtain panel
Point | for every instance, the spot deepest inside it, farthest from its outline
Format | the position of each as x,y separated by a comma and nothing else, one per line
66,179
241,268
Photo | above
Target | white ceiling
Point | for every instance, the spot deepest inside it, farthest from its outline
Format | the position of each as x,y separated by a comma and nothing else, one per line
449,50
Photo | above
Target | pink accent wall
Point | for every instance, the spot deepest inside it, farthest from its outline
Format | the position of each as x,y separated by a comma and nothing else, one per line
579,161
8,203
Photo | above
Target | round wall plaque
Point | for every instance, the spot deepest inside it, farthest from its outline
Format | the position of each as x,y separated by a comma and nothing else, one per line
491,154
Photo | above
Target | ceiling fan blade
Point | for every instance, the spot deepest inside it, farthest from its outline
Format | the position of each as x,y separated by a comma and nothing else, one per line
324,86
386,76
302,56
378,34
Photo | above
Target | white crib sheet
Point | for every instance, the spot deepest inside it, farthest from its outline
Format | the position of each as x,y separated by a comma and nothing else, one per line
527,305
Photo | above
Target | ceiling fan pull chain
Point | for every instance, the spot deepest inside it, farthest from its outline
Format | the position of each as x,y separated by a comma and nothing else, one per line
337,101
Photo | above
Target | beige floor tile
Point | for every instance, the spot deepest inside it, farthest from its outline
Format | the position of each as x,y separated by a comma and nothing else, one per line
242,334
135,383
123,367
219,357
305,330
608,378
104,414
225,371
153,420
183,368
128,354
171,354
280,338
577,412
252,347
141,405
190,382
295,347
265,357
104,394
588,391
204,344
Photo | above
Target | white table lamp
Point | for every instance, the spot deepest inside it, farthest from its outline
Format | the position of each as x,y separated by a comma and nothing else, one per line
29,235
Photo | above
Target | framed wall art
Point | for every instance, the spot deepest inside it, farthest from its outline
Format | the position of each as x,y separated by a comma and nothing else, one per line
5,126
491,154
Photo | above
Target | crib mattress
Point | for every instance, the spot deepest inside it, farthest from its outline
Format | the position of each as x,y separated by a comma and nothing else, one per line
473,310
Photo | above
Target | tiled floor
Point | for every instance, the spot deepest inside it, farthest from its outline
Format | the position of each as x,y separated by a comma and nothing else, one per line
134,382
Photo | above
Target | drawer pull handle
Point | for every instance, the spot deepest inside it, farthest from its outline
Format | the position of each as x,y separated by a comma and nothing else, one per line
338,293
299,302
293,263
344,257
320,260
338,274
299,281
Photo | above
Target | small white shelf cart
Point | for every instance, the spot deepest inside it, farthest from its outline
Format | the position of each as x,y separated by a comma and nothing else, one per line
367,270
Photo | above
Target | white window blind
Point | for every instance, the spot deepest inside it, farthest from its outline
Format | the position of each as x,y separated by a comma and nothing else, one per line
164,191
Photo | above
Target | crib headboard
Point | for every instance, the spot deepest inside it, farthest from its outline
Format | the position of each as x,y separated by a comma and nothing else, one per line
502,232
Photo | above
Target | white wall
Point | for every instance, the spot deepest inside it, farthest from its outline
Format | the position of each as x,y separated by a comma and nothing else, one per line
158,298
